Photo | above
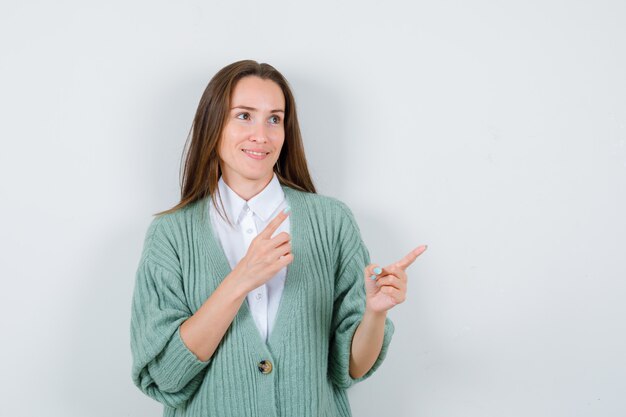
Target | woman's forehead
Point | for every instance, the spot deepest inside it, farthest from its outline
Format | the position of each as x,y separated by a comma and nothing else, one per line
257,93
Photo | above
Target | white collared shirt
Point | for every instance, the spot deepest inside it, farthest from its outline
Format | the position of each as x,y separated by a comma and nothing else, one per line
249,219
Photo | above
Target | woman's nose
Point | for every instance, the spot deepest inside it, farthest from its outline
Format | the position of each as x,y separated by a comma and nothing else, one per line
259,133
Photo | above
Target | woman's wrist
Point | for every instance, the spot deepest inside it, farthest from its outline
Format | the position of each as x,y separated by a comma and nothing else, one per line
234,286
371,314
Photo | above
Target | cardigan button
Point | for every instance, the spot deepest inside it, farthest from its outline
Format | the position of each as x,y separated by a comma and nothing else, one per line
265,367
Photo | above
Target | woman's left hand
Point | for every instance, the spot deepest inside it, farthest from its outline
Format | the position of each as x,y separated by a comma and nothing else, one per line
388,289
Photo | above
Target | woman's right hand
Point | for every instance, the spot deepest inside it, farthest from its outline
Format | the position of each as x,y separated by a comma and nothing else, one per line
266,256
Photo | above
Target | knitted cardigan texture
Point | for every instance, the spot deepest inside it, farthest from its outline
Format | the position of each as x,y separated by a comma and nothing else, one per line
323,301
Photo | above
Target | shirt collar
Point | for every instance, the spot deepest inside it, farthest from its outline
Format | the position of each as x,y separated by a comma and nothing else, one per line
263,204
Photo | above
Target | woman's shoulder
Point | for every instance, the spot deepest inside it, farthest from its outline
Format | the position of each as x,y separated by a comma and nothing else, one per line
165,222
168,231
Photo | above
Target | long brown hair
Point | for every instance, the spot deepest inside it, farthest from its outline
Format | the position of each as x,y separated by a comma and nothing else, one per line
202,169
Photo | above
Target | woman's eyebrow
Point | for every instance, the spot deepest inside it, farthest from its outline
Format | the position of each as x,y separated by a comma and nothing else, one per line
252,108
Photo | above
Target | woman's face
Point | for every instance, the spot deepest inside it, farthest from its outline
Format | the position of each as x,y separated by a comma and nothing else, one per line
254,132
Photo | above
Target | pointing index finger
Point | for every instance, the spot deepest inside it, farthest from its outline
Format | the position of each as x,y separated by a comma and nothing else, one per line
405,262
276,221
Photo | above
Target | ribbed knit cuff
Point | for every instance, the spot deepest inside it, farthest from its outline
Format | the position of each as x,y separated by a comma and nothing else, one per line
176,365
346,380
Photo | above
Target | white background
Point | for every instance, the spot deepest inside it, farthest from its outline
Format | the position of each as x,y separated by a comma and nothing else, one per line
493,131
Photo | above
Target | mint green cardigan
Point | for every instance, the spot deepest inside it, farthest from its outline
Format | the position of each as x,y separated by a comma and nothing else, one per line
322,304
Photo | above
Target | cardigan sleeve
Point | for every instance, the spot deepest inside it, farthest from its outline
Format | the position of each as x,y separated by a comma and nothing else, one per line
349,305
162,365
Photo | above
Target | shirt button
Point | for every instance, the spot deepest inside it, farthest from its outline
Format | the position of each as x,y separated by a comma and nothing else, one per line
258,296
249,231
247,209
265,367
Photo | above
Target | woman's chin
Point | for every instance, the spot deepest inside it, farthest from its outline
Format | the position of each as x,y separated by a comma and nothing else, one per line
258,175
259,170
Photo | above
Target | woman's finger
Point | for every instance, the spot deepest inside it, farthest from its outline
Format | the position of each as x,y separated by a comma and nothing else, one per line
281,250
279,239
391,280
393,269
405,262
273,225
373,271
397,295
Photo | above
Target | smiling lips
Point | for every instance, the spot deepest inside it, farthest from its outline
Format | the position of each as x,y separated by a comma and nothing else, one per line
255,153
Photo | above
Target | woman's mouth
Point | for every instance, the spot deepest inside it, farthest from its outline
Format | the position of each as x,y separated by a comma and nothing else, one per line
255,154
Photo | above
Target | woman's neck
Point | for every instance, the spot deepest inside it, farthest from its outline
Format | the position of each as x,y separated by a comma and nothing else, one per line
245,187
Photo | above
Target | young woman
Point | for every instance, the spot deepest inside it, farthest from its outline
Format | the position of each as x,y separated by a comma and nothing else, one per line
255,296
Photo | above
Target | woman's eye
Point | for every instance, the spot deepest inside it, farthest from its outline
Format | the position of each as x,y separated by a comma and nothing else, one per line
243,114
277,119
